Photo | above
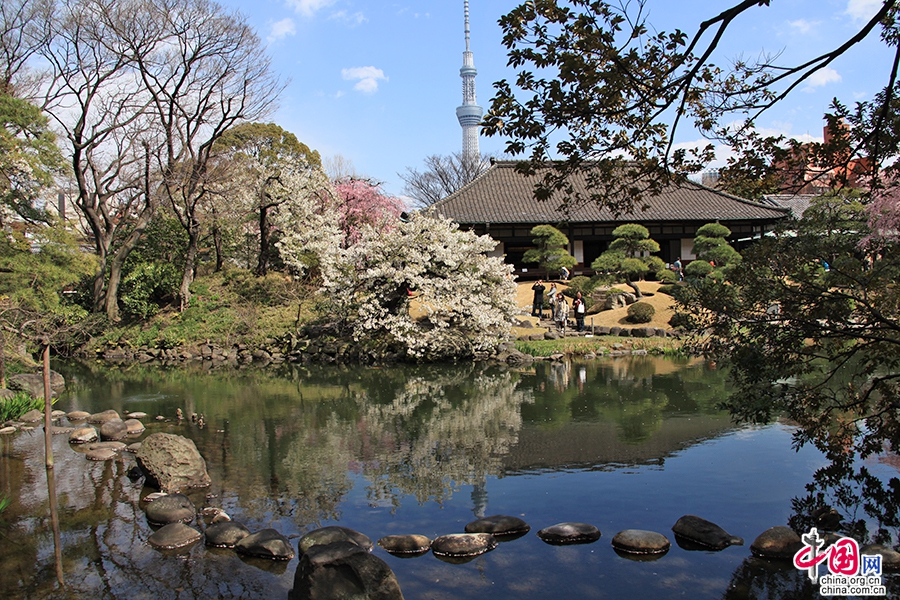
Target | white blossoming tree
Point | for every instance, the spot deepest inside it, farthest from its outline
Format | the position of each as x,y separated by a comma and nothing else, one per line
464,299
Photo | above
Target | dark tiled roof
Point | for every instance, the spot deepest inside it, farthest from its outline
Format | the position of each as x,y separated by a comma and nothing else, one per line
796,203
502,195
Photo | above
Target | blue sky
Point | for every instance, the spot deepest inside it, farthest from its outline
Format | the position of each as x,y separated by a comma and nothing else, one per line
377,81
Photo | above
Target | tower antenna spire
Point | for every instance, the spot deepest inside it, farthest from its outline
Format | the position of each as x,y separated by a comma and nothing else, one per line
469,113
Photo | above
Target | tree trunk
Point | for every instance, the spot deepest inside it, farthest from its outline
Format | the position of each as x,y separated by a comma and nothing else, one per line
262,265
190,261
218,244
637,290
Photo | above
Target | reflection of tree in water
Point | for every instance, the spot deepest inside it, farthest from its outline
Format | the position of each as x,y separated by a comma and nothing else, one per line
760,579
636,393
441,431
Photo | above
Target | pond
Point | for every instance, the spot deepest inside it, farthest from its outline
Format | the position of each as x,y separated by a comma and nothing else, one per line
619,443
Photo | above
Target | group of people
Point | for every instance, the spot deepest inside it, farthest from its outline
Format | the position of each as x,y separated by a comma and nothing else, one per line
559,307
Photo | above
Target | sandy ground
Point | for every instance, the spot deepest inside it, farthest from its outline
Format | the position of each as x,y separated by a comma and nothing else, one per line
663,303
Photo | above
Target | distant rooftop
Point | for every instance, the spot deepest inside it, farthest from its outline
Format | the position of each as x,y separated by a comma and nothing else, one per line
796,203
502,195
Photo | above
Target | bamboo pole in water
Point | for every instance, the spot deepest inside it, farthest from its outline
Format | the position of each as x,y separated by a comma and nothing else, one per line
48,454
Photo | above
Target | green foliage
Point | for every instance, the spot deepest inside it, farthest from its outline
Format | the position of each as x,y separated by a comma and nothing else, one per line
147,287
697,269
29,157
20,403
623,256
4,503
632,239
641,312
667,276
274,289
39,268
668,289
582,284
551,252
820,348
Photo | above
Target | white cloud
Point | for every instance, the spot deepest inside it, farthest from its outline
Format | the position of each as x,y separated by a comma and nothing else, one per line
368,78
308,8
822,77
282,29
803,26
863,10
356,18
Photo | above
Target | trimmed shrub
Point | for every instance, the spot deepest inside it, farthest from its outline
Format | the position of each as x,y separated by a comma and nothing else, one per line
667,276
669,290
641,312
681,321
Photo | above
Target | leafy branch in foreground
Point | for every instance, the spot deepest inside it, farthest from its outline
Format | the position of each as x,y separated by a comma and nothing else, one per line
596,82
819,344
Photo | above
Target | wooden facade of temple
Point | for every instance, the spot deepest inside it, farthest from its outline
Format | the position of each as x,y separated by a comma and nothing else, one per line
501,203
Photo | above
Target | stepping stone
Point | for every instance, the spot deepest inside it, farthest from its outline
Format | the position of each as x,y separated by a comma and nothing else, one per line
78,415
55,430
569,533
890,558
57,414
84,435
7,430
101,454
405,545
332,534
499,525
134,427
173,536
225,535
705,533
32,416
267,543
103,417
171,508
136,415
776,542
463,544
117,446
639,541
113,430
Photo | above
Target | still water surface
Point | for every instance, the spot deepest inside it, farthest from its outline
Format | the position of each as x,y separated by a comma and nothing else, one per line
622,444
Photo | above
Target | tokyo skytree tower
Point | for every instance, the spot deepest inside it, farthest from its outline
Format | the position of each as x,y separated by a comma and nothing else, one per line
469,114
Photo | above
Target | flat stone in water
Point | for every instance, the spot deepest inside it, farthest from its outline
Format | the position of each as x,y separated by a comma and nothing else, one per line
343,571
329,535
499,525
101,454
171,508
639,541
890,558
117,446
463,544
84,435
57,414
705,533
405,544
102,417
78,415
8,430
776,542
55,430
32,416
136,415
569,533
113,430
225,535
132,448
133,427
267,543
173,536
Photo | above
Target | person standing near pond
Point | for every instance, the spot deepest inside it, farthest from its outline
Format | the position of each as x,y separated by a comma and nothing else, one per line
562,312
579,307
537,306
552,299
